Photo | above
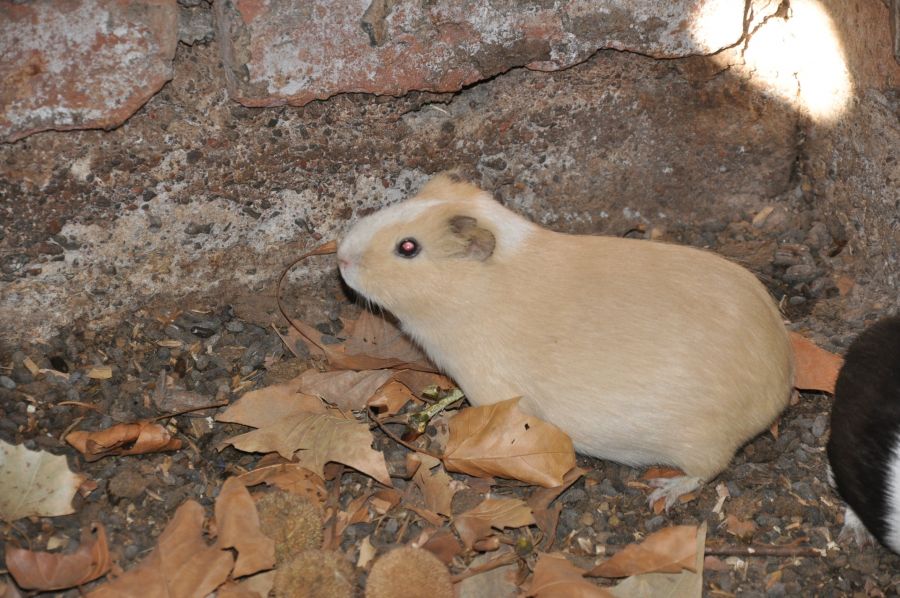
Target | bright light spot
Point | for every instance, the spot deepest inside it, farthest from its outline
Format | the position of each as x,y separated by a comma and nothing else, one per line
800,60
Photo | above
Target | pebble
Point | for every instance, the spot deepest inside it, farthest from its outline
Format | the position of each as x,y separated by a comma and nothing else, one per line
7,382
800,273
234,326
820,425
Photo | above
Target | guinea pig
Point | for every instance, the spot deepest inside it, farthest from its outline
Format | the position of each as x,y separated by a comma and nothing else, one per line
642,352
864,445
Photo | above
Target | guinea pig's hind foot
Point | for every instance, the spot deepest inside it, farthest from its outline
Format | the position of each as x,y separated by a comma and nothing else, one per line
673,488
854,530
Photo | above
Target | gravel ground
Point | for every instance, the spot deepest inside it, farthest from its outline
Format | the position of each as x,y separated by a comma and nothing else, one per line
777,483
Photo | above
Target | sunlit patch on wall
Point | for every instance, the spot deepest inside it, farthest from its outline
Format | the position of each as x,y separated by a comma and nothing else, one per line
798,57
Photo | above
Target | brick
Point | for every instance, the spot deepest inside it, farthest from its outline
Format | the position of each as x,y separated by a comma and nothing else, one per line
285,52
78,64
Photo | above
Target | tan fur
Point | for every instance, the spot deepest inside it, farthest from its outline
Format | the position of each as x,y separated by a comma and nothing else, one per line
642,352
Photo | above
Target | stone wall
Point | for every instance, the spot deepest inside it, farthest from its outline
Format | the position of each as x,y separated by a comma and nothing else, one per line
692,121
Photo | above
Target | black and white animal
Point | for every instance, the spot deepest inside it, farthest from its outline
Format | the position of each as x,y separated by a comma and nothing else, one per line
864,447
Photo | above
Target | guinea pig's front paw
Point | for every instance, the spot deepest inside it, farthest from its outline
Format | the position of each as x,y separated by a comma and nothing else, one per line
672,489
854,531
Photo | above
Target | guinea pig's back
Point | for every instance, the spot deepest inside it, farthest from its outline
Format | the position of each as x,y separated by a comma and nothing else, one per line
864,445
689,342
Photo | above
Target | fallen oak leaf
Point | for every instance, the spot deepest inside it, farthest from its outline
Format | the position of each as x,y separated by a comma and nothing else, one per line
35,483
45,571
670,550
501,440
500,513
555,576
436,487
418,381
182,565
123,439
238,527
314,439
377,337
814,367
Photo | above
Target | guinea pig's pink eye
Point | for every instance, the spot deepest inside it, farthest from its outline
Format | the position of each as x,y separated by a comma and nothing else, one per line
408,247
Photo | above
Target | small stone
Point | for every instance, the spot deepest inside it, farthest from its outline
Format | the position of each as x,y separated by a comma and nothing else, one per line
234,326
198,229
154,221
820,425
7,382
800,273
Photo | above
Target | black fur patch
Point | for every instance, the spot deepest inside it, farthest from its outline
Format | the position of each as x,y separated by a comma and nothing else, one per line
865,422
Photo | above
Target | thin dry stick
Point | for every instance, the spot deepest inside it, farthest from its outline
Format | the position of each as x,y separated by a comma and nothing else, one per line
323,249
504,559
399,441
764,550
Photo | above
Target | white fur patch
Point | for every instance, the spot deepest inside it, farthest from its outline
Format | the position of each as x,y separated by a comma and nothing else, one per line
357,240
512,230
892,498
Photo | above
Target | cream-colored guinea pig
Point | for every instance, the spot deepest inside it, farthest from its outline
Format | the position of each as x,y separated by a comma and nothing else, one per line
643,353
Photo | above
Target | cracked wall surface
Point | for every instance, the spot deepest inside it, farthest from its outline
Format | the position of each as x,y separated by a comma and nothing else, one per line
197,194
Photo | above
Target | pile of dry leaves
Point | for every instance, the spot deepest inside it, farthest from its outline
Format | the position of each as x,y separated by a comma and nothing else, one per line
279,527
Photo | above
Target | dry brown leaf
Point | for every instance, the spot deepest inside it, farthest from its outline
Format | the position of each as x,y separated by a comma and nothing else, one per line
57,571
35,483
496,582
356,512
346,389
314,439
669,550
123,439
500,513
269,405
436,487
389,348
687,584
740,528
444,545
8,590
238,527
555,576
541,498
815,368
182,565
501,440
366,552
417,381
289,477
391,398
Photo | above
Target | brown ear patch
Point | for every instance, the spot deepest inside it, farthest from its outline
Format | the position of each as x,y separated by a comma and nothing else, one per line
475,242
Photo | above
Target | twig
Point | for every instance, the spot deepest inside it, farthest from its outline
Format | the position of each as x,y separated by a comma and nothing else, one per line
323,249
190,409
399,441
764,550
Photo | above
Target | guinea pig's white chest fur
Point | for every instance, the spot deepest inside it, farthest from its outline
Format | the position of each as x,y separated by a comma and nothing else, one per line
642,352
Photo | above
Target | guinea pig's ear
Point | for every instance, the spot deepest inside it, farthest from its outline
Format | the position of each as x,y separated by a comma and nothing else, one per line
470,240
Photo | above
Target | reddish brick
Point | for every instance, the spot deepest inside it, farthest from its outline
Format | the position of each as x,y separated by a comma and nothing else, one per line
78,64
287,52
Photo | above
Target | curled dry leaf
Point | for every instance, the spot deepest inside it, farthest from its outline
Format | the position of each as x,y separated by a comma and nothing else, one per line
35,483
314,439
501,440
500,513
57,571
181,565
391,398
686,584
346,389
238,526
417,381
123,439
555,576
669,550
814,368
289,477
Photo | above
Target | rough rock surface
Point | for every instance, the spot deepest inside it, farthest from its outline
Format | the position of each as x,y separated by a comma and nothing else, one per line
278,53
77,64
